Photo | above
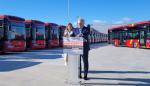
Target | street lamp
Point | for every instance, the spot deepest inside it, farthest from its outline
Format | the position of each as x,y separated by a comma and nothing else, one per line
68,10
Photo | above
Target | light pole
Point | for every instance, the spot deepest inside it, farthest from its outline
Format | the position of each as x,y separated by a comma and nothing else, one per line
68,10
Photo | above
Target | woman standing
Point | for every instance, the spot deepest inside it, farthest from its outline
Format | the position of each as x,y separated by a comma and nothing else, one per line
68,33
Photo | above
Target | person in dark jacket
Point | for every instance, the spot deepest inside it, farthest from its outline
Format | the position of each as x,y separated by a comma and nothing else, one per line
84,32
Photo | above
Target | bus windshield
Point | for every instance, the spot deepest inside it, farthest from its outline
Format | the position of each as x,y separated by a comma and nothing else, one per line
56,33
129,35
16,31
40,32
148,35
1,33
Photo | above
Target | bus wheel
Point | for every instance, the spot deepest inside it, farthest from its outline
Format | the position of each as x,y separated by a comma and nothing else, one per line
134,45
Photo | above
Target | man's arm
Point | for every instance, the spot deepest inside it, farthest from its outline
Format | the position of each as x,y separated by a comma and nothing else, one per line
75,31
86,31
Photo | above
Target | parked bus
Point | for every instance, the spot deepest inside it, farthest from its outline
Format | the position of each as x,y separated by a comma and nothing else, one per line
12,33
115,36
52,35
131,35
61,34
35,34
143,34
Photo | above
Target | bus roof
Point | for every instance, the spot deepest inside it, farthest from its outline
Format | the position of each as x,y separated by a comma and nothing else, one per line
117,27
145,22
129,25
35,21
9,17
51,24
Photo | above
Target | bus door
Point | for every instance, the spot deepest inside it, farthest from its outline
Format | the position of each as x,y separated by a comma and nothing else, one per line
122,38
148,37
135,40
142,38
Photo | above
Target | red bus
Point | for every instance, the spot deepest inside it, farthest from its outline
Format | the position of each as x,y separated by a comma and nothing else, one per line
61,34
114,36
132,35
52,35
35,34
12,33
143,34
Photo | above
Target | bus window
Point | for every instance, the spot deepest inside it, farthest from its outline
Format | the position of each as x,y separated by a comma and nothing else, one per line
1,33
116,35
56,35
142,35
1,23
19,34
148,32
135,35
112,35
40,32
1,30
148,35
129,35
16,31
123,37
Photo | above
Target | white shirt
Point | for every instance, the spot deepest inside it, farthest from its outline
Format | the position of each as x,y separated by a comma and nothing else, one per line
80,30
67,33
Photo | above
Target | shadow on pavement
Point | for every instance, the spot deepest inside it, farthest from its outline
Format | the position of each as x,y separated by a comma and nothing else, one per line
57,50
37,54
115,84
119,72
98,45
135,81
31,56
14,65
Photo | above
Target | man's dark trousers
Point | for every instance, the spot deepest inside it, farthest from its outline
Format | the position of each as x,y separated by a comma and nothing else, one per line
84,57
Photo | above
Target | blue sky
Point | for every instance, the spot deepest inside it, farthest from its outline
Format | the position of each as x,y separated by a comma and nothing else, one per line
100,13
